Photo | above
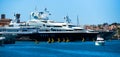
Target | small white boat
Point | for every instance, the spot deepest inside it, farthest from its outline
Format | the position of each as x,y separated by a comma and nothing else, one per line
100,41
1,40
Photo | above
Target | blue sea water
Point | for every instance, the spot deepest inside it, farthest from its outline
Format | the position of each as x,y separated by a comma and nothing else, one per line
63,49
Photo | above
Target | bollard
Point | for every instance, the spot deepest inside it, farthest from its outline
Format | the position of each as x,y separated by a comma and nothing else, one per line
58,39
83,39
67,40
63,40
52,40
49,41
36,41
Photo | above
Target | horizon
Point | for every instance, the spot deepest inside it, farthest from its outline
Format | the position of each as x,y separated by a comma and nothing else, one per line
91,12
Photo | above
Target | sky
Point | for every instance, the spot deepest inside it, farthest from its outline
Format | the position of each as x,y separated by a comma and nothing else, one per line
89,11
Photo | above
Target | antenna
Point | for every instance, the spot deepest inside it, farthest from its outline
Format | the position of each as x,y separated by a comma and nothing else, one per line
45,9
35,8
77,20
30,17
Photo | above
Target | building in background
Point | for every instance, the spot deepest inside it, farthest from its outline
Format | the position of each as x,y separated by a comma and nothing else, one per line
4,21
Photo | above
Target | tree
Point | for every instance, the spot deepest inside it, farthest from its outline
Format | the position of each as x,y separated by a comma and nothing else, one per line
114,24
104,24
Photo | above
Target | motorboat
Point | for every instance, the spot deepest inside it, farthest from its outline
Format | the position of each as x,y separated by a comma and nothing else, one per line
100,41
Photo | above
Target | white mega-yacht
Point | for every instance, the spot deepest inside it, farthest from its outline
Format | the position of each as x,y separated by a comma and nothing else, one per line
40,27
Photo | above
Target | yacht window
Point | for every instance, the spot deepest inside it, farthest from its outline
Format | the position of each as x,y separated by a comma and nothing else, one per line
24,30
44,21
11,30
54,26
64,25
48,26
78,29
57,26
22,25
31,28
70,26
69,30
47,30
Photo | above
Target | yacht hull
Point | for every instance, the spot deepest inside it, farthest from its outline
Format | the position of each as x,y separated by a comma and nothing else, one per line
61,36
